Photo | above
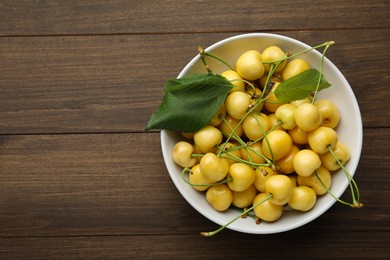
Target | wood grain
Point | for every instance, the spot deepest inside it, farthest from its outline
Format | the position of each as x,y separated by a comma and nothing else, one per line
66,185
81,179
113,83
229,246
173,16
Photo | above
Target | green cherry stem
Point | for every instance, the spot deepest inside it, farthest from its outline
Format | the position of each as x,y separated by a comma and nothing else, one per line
251,85
237,159
267,88
226,155
245,212
320,76
187,170
352,184
269,131
302,52
270,150
243,144
251,215
205,53
202,54
329,192
269,162
266,139
197,155
271,72
233,132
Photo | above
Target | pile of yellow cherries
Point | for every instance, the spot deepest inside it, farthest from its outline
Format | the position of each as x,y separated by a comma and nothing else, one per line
258,152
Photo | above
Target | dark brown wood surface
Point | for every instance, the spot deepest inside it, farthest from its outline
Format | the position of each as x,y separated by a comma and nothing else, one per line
79,176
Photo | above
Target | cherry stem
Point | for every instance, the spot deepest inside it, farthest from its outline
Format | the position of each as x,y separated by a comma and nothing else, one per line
226,155
302,52
187,170
329,192
245,212
205,53
352,184
196,155
202,54
239,139
271,71
266,92
251,215
270,150
250,84
251,109
320,76
233,131
272,128
237,159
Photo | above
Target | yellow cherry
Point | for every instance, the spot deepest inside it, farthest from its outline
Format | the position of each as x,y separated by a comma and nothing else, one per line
213,168
294,67
196,177
303,198
276,144
249,65
307,117
329,112
237,104
342,153
286,164
220,197
315,183
243,199
322,138
266,211
274,53
182,154
262,174
280,186
305,162
242,176
235,79
256,125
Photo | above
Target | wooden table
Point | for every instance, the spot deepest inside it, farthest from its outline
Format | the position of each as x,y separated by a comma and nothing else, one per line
79,176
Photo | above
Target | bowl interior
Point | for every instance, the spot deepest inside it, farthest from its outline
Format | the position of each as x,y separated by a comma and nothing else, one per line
349,131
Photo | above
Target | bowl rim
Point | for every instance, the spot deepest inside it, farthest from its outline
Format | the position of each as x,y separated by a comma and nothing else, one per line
359,132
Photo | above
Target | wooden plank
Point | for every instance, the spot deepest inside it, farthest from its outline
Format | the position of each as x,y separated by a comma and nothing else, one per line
173,16
54,184
229,245
117,184
113,84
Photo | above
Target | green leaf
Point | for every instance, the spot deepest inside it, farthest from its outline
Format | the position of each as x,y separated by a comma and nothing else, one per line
300,86
189,103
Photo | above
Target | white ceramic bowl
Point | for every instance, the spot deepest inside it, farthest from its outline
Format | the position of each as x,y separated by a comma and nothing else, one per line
349,131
